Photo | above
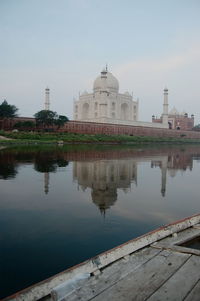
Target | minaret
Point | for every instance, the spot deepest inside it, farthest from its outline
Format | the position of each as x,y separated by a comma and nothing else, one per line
47,101
165,107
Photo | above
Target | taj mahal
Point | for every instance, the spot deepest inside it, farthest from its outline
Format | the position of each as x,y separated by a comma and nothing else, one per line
107,105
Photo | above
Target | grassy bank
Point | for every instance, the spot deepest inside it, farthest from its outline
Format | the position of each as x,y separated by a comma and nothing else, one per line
46,138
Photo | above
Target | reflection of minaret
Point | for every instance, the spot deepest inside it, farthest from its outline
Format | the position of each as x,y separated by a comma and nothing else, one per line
164,175
46,182
162,162
47,99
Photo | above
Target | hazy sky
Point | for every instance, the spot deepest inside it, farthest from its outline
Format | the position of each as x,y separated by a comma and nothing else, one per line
64,44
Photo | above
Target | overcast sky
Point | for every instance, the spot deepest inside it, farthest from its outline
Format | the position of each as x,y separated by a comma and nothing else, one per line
64,44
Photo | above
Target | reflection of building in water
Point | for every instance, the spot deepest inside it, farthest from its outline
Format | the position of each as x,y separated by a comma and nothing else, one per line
162,163
171,164
104,178
46,182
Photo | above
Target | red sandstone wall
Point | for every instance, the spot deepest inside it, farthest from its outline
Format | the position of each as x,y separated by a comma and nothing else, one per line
185,123
7,124
112,129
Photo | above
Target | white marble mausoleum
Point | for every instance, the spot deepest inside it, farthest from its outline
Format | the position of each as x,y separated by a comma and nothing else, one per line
107,105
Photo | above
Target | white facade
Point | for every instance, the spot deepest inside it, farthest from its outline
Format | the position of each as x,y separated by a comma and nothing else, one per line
106,104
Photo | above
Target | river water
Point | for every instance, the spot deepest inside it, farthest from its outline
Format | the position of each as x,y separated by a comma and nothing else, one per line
62,205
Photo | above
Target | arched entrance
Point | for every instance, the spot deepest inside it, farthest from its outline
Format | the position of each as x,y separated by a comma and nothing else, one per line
124,111
170,125
85,111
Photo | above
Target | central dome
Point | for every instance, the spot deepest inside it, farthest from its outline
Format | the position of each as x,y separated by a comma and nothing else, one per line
106,82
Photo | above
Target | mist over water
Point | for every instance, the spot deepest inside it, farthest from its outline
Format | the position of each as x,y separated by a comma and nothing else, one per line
62,205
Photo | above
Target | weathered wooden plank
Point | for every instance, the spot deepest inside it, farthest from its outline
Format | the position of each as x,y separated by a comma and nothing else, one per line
182,250
182,282
194,294
177,239
197,226
142,283
112,274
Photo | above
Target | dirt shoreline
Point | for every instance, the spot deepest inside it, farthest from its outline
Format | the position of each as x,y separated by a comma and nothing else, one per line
4,138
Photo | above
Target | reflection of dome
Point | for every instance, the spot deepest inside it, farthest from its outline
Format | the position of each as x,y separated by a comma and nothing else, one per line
172,172
106,82
104,199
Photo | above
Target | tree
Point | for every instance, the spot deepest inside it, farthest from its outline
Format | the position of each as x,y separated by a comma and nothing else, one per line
60,121
196,127
24,125
7,111
45,117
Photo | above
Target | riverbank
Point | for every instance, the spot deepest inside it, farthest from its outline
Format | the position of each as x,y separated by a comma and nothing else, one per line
70,138
4,138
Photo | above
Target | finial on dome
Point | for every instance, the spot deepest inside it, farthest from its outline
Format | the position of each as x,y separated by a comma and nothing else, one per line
104,72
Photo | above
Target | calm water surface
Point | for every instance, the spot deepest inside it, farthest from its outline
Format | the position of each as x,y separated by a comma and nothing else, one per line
60,206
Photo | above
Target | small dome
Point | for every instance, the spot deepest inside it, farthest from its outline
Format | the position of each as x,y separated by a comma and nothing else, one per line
85,93
106,82
174,111
183,113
